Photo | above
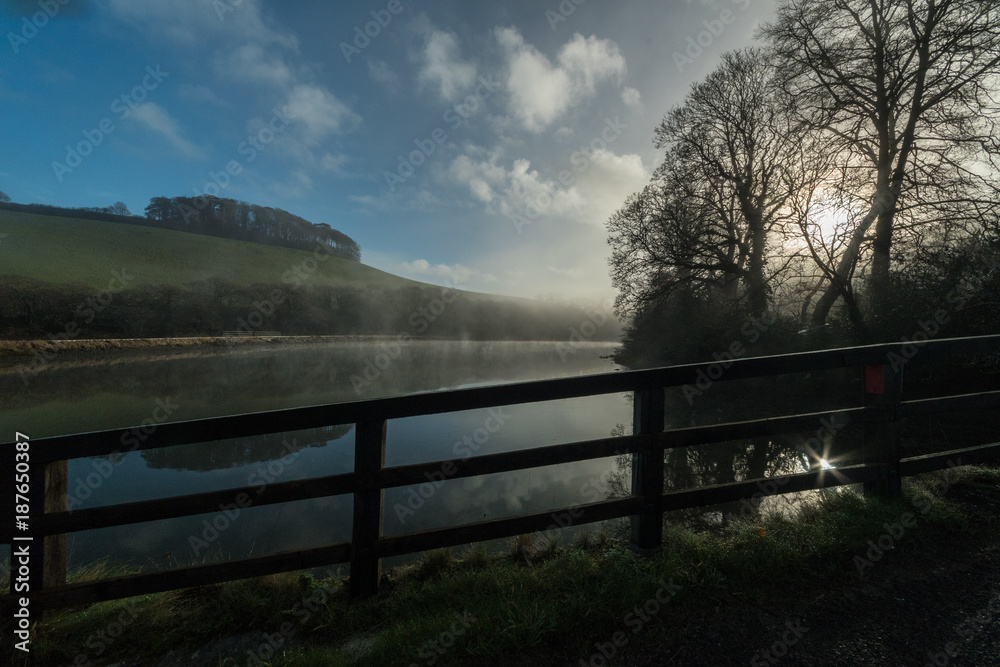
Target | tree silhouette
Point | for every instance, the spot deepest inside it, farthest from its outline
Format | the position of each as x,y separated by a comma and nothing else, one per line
901,92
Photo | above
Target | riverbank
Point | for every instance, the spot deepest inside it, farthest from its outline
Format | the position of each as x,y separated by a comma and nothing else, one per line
851,581
30,348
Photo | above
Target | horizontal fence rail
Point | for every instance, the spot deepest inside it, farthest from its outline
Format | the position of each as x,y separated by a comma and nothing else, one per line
880,472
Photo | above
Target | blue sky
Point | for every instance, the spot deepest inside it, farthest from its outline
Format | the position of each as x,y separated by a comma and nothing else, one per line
483,143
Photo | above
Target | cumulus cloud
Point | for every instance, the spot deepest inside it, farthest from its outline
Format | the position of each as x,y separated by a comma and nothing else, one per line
334,163
319,112
379,71
632,98
250,64
296,185
200,93
455,274
196,22
246,47
540,91
157,119
441,65
591,187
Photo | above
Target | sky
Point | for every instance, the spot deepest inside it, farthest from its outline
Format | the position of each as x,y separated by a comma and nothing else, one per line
477,144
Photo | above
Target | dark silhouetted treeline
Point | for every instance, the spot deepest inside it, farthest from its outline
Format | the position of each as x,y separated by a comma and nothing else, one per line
214,216
32,309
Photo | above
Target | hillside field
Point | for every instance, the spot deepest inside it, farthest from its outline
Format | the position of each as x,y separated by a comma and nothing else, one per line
68,250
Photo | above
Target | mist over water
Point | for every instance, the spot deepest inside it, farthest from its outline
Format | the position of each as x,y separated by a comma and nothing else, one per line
78,394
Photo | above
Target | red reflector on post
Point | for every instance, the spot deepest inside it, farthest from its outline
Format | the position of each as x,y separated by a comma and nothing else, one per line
874,379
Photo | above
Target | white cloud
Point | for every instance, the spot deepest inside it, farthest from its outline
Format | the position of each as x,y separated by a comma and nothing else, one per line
197,22
564,134
599,181
632,99
319,112
442,67
379,71
156,118
589,60
296,186
334,163
456,274
199,93
250,64
540,91
574,274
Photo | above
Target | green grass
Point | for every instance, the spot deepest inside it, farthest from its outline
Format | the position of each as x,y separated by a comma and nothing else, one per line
67,250
539,604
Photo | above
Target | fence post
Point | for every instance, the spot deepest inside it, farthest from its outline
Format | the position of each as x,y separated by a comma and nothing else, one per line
647,470
369,458
882,387
56,500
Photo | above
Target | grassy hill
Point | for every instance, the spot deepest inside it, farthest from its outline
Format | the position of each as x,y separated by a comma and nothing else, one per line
53,268
69,250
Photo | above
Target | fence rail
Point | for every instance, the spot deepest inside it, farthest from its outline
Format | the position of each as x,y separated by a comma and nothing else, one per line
881,470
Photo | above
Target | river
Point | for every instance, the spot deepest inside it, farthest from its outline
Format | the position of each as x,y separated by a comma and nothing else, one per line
78,393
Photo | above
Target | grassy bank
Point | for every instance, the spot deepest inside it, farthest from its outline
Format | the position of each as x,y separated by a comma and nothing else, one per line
540,604
30,348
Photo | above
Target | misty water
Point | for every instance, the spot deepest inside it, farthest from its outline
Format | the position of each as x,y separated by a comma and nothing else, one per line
85,393
77,394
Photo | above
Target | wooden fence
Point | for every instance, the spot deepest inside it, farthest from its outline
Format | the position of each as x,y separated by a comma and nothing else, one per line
881,411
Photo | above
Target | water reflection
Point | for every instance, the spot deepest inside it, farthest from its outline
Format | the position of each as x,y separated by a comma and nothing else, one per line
78,395
86,395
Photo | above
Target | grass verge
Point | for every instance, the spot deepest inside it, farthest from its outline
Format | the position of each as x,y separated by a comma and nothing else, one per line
534,605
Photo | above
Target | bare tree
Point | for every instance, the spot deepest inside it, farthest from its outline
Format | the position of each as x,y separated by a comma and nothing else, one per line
119,208
716,212
902,92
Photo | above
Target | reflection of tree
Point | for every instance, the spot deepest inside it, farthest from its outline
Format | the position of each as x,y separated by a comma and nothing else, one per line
749,458
241,451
